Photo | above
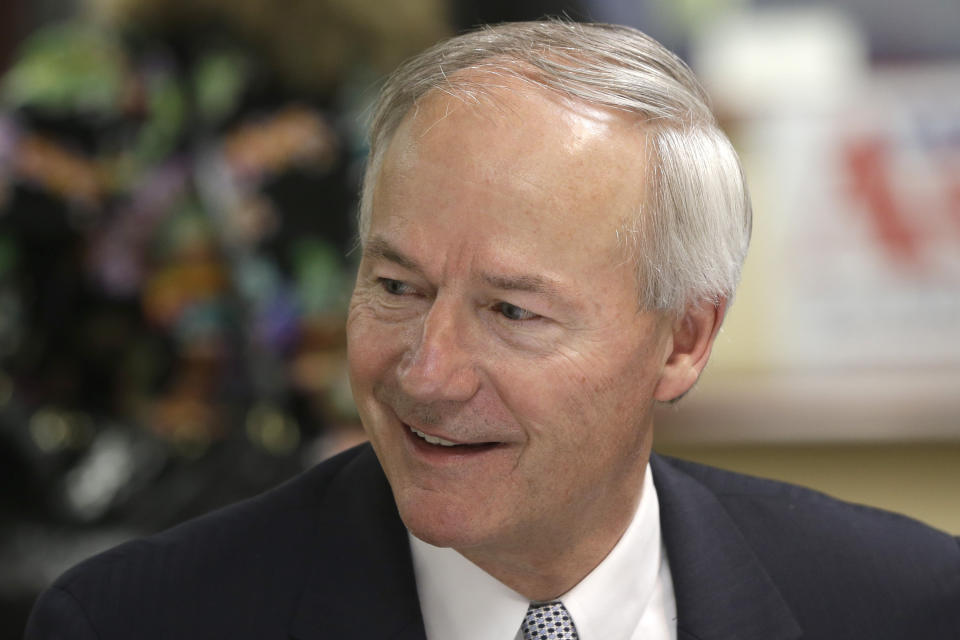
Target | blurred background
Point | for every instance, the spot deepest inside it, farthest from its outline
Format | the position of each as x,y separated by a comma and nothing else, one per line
177,190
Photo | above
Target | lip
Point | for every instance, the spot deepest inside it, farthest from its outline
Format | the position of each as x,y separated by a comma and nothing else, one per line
438,453
410,427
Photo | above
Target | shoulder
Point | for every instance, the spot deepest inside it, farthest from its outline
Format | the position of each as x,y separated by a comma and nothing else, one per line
790,513
826,556
251,556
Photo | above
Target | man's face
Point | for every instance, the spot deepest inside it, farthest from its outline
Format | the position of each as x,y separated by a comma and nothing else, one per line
494,309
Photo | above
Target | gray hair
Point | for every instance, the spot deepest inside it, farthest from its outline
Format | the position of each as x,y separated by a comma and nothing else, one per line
690,237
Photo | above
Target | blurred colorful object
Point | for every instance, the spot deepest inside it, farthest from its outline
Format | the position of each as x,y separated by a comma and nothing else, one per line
172,282
75,67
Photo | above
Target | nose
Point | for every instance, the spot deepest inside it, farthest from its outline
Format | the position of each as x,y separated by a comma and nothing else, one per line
441,366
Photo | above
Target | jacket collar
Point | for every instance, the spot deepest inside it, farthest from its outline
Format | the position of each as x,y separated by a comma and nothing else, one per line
722,590
362,583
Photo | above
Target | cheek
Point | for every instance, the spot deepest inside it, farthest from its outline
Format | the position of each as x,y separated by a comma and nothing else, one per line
580,402
582,381
369,350
556,401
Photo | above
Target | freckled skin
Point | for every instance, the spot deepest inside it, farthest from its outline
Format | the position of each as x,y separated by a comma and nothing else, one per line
534,188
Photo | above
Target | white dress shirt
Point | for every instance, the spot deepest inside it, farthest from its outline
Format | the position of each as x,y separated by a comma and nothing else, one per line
629,595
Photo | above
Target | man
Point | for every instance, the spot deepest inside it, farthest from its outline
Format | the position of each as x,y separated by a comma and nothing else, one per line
552,225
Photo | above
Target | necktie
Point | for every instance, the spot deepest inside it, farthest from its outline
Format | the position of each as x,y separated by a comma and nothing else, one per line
548,621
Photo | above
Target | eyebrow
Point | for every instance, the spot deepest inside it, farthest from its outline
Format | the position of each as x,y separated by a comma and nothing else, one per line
531,284
380,249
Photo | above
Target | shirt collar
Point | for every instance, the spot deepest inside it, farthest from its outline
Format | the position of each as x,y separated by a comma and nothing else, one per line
460,600
610,601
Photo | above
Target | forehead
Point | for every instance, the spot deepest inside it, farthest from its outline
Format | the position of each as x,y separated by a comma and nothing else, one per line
513,160
513,117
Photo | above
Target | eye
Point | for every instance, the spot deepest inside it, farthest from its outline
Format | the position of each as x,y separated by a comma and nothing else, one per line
513,312
394,287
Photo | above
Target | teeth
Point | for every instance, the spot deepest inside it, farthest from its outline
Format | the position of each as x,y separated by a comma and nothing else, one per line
434,439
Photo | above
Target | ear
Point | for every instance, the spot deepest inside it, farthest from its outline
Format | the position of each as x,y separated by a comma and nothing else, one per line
692,341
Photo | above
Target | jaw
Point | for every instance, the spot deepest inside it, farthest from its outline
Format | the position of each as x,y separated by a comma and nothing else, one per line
447,515
448,496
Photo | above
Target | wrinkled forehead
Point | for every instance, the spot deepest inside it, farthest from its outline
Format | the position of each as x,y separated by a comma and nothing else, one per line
522,161
510,98
511,107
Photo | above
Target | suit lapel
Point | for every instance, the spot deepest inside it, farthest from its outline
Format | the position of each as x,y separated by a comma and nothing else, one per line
362,585
722,590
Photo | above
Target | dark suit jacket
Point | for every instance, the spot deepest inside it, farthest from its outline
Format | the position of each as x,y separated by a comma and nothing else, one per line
326,556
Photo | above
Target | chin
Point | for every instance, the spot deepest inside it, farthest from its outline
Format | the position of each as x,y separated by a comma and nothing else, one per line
440,521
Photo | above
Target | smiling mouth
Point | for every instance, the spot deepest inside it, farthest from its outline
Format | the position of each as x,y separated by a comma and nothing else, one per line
441,442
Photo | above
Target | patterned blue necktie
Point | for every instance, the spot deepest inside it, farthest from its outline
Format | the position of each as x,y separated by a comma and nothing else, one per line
548,621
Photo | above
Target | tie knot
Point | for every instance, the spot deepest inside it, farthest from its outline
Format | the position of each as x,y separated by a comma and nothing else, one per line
548,621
